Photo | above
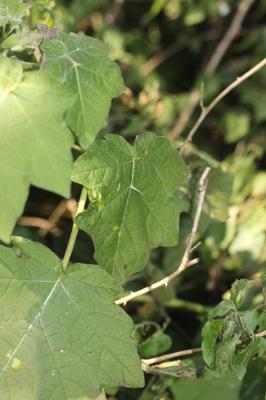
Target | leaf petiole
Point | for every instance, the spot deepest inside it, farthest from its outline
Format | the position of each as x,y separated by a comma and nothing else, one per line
74,232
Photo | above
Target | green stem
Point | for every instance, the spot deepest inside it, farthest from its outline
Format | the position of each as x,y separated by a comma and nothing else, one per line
74,232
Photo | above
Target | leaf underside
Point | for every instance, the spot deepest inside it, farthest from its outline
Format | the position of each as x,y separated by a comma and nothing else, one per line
35,145
61,335
133,208
82,64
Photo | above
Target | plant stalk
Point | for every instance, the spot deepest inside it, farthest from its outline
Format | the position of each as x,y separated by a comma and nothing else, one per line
74,232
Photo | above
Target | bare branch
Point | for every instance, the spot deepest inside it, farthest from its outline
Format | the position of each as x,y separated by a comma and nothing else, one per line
212,66
39,223
170,356
220,96
229,36
158,59
183,353
185,263
163,282
65,205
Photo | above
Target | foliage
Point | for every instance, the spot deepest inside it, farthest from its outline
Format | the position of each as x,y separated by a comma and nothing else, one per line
56,339
127,188
62,335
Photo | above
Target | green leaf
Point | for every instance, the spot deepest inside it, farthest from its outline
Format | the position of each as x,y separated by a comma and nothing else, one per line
12,12
236,125
61,335
132,205
207,389
254,383
155,344
229,342
35,146
241,359
82,64
218,194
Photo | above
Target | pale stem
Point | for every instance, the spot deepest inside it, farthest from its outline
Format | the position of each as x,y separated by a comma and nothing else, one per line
205,112
74,232
183,353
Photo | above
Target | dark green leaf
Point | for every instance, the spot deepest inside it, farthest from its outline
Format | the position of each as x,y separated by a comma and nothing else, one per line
82,64
157,343
133,208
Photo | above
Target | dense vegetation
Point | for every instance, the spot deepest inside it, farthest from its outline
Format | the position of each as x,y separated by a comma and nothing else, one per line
152,206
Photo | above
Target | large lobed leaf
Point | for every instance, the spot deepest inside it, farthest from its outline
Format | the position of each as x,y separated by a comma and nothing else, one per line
82,64
61,335
35,145
133,208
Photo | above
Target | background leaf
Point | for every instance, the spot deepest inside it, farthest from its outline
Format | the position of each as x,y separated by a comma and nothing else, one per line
12,11
228,335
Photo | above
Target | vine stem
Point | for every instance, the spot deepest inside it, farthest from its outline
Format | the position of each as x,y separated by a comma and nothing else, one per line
74,232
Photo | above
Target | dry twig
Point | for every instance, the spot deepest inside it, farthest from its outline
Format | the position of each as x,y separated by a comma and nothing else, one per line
220,96
158,59
65,205
182,353
185,263
212,66
39,223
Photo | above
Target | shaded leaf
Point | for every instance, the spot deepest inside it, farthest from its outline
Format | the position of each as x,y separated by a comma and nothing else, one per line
254,383
207,389
61,335
133,208
81,62
155,344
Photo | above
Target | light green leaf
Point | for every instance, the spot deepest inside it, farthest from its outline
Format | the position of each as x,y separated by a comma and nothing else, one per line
61,335
35,146
218,194
82,64
237,124
12,11
132,208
